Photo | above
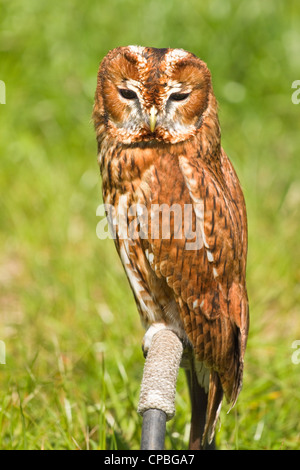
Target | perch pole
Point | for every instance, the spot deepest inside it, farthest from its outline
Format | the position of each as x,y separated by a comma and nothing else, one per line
157,396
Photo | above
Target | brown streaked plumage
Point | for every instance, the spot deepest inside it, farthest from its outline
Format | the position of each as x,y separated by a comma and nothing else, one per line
158,136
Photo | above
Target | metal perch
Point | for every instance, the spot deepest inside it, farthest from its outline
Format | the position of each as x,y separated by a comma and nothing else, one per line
157,396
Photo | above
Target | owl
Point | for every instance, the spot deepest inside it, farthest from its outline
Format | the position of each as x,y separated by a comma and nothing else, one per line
178,216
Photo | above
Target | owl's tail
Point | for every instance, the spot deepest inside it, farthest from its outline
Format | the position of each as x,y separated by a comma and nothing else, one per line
206,408
214,402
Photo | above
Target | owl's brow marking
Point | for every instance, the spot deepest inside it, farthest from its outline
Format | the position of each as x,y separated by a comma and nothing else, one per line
176,54
173,56
139,51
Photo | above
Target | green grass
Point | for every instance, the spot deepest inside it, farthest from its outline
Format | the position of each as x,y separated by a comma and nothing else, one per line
72,333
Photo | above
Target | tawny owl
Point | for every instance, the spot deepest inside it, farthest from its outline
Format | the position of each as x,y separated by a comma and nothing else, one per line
178,214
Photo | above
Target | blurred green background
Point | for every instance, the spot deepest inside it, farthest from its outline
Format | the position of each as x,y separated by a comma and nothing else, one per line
67,317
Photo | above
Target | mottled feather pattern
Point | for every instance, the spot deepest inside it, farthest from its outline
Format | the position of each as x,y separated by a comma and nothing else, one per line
199,293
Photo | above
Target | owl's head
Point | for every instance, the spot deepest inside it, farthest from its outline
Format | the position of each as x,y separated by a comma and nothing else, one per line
146,94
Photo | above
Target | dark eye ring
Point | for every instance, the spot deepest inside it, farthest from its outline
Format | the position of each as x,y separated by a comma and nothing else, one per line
178,96
128,94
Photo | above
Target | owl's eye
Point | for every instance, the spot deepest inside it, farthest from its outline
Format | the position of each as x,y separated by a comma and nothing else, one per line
127,94
178,96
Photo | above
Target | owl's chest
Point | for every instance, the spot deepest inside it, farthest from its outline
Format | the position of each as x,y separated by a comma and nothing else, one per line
143,176
148,196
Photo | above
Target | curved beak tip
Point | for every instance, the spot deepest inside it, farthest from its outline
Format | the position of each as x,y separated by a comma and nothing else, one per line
152,118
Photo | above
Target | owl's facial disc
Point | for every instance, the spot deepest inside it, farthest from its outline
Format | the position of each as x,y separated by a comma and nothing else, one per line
153,94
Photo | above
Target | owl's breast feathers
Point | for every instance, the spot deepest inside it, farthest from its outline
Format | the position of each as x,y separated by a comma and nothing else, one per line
197,266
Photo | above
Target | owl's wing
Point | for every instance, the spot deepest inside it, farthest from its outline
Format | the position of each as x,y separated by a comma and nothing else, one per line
209,281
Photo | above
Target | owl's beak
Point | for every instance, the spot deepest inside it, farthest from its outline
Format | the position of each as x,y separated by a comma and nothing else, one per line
152,118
